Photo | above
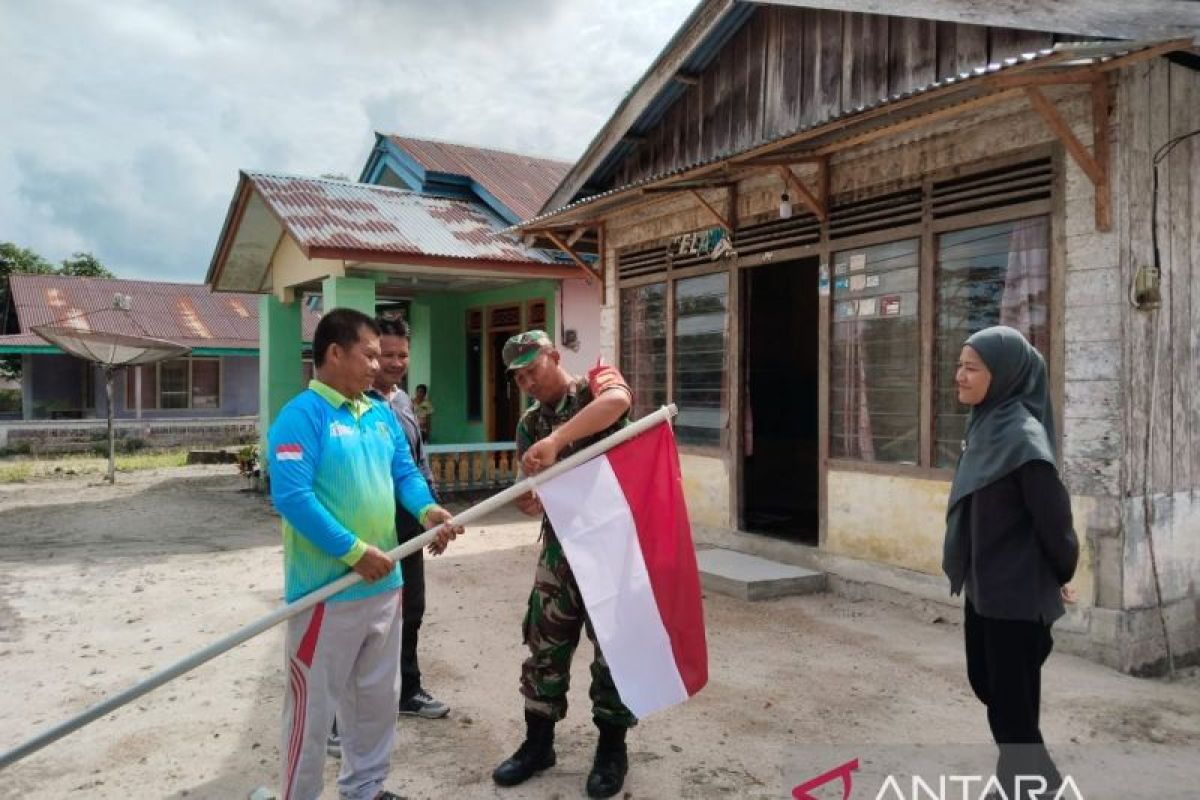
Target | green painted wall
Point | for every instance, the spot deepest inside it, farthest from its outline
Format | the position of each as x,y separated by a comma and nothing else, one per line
439,352
357,293
420,322
280,370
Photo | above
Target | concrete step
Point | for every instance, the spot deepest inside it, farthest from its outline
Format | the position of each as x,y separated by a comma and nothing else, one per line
752,578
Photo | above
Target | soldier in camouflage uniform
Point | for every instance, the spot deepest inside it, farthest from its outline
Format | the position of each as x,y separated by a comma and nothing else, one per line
569,414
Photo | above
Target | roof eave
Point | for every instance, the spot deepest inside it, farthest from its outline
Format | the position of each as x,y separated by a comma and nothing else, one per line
707,15
1146,19
508,269
237,206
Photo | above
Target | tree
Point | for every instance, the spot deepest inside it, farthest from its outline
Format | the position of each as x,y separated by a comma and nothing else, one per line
21,259
84,265
16,259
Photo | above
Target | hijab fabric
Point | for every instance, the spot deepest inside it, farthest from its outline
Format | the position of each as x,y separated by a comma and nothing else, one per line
1012,426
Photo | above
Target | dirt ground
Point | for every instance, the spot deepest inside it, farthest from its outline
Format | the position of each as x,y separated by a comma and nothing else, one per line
100,587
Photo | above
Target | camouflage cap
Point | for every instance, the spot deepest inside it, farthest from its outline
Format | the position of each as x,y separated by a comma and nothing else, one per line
520,350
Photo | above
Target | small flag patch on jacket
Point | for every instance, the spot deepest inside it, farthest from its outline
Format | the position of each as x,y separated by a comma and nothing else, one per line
289,452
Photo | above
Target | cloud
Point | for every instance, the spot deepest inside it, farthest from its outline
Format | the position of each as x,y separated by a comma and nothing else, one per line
127,121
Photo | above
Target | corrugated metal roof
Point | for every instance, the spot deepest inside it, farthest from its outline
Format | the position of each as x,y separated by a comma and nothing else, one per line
187,313
1078,54
322,213
522,183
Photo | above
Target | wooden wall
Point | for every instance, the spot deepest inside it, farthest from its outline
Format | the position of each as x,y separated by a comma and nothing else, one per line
1156,102
791,67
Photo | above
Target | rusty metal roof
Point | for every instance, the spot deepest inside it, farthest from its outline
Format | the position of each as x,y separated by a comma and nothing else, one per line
522,183
328,215
187,313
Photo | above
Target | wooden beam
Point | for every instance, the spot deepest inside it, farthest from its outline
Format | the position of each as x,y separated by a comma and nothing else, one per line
776,160
602,264
917,121
823,182
1101,105
1056,77
1062,130
1145,55
576,235
724,223
561,245
687,78
806,197
689,186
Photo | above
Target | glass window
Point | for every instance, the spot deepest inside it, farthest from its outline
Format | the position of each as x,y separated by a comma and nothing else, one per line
149,383
644,346
206,383
173,384
990,275
701,332
875,354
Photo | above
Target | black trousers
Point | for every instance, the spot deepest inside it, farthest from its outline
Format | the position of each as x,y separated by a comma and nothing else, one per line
1004,666
412,609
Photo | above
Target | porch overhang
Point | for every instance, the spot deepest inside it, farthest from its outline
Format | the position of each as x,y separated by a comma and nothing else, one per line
264,247
1023,79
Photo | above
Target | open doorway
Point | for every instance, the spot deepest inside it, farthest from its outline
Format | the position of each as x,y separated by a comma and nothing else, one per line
505,397
780,469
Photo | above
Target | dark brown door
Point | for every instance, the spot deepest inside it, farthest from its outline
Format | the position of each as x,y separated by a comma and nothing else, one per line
506,398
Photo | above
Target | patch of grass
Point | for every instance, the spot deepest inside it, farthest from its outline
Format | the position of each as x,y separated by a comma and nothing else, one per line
151,460
15,473
15,470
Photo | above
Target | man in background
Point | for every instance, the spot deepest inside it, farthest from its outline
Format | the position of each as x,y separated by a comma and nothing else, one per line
393,366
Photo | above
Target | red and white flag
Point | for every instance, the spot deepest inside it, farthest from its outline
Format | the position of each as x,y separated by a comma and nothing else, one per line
623,525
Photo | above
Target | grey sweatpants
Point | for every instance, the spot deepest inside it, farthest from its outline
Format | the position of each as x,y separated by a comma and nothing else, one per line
341,657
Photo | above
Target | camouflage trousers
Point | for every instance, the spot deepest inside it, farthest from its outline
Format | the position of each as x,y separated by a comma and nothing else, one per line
553,622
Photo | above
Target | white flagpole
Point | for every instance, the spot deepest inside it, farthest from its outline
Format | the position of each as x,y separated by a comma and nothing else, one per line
277,616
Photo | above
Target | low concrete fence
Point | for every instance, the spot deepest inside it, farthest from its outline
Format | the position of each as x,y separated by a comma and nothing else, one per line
463,468
80,436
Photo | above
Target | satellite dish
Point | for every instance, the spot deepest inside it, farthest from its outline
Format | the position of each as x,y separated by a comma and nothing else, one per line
76,336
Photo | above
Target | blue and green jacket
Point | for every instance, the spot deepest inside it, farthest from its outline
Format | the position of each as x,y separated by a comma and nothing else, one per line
338,466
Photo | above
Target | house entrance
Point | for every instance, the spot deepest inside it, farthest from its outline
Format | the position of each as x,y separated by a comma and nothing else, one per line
780,409
504,397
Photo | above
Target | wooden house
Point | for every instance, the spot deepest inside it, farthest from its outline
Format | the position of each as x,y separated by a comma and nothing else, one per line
803,209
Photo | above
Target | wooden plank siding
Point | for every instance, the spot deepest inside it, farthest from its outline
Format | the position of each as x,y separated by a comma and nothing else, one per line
791,67
1157,101
960,48
912,53
1009,43
864,69
1180,173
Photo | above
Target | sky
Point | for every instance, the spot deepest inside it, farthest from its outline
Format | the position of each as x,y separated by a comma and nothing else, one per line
124,123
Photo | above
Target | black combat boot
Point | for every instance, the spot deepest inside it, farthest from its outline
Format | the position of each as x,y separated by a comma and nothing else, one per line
535,754
612,762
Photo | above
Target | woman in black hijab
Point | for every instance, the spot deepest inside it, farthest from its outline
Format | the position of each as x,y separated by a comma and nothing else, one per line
1009,545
